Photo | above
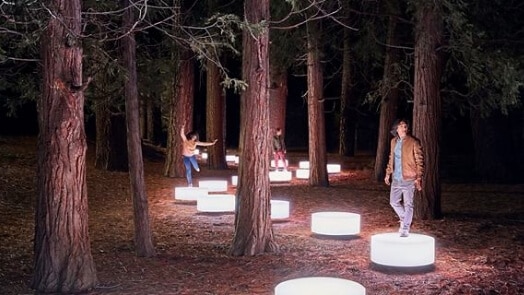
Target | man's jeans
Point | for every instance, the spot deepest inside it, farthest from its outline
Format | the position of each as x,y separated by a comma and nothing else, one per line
188,161
401,199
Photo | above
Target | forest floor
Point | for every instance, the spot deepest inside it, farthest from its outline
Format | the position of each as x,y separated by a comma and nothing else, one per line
479,240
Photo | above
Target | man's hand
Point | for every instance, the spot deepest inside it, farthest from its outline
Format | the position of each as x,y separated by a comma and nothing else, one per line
386,179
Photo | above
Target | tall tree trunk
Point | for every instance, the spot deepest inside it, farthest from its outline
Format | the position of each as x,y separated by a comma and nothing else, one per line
102,125
143,240
389,104
142,122
427,104
215,117
253,230
347,124
277,98
150,119
317,134
62,252
111,138
181,102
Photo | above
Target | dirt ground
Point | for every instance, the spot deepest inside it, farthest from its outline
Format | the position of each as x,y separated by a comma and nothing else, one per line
479,241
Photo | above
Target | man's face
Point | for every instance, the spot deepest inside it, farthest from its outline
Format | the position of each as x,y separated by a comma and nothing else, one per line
402,129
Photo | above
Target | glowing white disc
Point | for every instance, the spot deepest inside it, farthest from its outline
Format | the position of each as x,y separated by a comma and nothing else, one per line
335,223
216,203
319,286
333,168
302,173
279,209
190,193
280,176
303,164
213,186
392,250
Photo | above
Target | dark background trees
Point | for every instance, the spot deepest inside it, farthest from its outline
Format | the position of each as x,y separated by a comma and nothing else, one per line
455,70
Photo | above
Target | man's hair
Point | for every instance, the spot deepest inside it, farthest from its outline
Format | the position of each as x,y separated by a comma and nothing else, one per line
395,125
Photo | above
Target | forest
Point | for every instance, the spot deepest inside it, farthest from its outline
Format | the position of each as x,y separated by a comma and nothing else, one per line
93,95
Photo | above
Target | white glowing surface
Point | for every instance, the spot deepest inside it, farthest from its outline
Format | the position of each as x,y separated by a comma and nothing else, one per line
333,168
216,203
279,209
204,156
319,286
237,159
230,158
190,193
280,176
303,164
335,223
279,163
213,186
302,173
391,250
196,152
234,180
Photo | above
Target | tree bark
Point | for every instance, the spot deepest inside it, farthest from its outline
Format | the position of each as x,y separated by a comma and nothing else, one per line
143,240
347,124
62,252
253,230
102,125
149,119
317,134
181,103
427,104
215,117
389,104
277,98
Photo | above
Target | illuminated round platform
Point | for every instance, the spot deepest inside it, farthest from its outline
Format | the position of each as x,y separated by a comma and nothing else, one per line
389,249
302,173
335,223
213,186
190,193
303,164
279,209
333,168
216,203
280,176
319,286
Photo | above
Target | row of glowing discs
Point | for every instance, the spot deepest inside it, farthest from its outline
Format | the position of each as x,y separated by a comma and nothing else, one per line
222,202
386,249
301,173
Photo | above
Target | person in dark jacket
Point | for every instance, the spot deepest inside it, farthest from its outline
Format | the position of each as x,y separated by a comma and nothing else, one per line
406,167
279,149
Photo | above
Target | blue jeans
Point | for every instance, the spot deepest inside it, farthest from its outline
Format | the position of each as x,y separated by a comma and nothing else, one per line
403,191
188,161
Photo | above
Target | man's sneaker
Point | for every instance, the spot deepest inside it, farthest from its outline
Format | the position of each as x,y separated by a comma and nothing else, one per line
197,169
189,185
401,227
404,233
